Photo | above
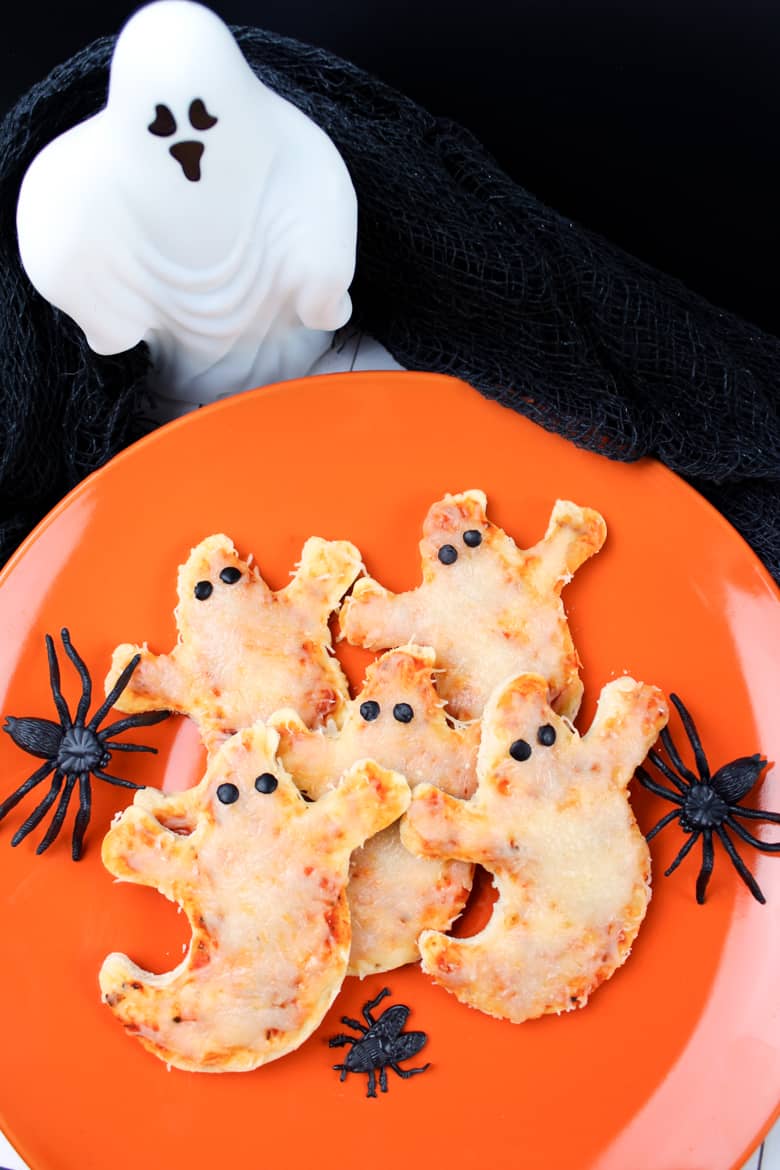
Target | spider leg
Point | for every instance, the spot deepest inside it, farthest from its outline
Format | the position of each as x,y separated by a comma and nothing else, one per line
54,681
676,812
39,811
59,815
86,681
371,1083
114,693
756,842
356,1024
647,782
343,1069
690,730
707,861
12,800
339,1042
408,1072
740,866
679,782
83,815
143,720
689,844
383,1079
372,1003
756,814
115,779
128,747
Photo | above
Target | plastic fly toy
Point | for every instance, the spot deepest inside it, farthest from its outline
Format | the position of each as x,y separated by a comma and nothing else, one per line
379,1046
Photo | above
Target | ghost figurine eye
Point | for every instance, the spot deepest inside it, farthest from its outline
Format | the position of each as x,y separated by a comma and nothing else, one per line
203,590
164,123
448,554
200,118
369,710
472,537
546,735
403,713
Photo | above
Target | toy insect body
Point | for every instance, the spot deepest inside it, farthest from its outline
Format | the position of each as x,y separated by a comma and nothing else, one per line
707,802
381,1045
73,749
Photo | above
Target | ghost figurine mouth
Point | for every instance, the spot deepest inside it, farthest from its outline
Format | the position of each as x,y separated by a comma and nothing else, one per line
188,156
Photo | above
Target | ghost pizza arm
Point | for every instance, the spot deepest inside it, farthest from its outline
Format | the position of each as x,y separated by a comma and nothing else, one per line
573,535
375,618
155,684
325,572
627,722
309,756
366,800
440,825
139,849
175,811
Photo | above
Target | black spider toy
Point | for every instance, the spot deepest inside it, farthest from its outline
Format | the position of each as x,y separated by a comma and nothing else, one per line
73,749
381,1044
708,803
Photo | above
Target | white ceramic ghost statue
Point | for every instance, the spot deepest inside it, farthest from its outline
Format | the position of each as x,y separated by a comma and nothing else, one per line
198,211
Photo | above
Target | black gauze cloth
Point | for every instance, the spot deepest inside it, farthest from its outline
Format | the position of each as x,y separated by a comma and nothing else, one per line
459,270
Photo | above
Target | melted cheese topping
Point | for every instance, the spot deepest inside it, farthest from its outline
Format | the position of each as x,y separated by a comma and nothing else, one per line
245,650
490,613
393,896
557,831
262,880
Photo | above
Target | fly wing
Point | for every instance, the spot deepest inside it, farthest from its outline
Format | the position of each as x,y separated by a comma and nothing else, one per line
408,1045
390,1022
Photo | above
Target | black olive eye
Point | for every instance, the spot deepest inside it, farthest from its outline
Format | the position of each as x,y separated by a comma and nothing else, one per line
472,538
369,710
203,590
403,713
448,554
200,118
230,575
164,123
266,782
546,735
520,750
227,793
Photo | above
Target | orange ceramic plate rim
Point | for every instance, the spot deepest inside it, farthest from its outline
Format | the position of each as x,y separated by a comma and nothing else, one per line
162,433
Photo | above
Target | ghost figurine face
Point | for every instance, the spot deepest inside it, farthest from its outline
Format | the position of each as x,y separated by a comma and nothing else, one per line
198,212
180,98
186,153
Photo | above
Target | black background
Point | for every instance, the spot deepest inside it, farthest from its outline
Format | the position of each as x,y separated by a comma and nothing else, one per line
654,122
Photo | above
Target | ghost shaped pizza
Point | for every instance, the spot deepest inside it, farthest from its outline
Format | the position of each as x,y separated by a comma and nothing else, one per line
552,822
397,719
488,608
261,875
245,650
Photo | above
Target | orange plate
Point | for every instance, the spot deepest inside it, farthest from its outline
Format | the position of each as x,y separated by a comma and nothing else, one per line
674,1064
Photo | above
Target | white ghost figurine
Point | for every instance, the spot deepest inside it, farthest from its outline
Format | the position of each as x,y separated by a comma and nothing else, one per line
198,211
